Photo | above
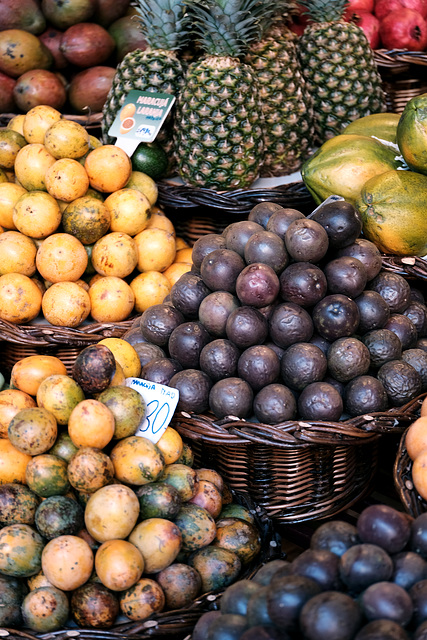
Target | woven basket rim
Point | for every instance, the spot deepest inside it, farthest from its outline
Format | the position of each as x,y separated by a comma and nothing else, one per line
399,57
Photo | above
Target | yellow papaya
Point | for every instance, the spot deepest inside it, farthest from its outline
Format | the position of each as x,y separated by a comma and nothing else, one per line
381,126
412,134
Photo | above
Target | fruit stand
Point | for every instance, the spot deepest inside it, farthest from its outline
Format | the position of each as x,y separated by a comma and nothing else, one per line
213,320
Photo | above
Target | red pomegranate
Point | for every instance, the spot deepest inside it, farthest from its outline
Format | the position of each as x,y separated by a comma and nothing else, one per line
404,29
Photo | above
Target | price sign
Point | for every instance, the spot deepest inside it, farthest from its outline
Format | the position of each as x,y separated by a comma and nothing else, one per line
161,403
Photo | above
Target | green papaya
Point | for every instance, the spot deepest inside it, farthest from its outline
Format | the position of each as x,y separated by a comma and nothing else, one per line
343,164
381,126
412,134
392,208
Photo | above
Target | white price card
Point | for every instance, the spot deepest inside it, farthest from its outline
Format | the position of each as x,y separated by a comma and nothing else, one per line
161,403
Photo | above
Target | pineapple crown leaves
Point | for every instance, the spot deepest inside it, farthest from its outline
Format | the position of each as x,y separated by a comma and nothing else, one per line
164,23
325,10
227,27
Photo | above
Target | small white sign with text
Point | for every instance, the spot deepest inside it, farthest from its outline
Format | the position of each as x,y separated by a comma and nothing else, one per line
161,403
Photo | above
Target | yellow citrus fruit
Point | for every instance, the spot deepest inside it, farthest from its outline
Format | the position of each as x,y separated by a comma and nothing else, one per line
111,299
156,249
20,298
125,355
67,139
17,254
37,121
66,304
31,165
115,254
61,257
140,181
149,288
129,210
37,214
108,168
9,196
66,180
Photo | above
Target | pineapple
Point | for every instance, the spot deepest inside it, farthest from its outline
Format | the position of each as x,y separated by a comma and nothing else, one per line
218,125
287,105
339,68
158,69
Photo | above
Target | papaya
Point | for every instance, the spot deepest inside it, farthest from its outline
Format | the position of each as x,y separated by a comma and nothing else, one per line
381,126
392,208
412,133
343,164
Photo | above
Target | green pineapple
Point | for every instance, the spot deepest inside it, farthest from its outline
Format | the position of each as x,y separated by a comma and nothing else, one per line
286,103
158,69
339,68
218,125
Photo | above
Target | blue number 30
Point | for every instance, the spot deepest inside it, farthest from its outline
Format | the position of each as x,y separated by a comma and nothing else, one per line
155,414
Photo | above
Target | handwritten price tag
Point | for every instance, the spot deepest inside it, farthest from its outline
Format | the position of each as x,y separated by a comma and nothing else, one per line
161,403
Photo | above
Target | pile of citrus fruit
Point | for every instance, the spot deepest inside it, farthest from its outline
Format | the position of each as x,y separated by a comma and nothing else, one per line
80,233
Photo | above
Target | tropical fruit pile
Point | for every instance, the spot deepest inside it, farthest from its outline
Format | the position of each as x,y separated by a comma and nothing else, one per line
284,315
81,237
65,53
362,581
95,521
379,163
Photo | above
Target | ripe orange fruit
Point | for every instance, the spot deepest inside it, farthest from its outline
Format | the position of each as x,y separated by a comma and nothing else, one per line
31,165
9,196
156,249
115,254
184,255
108,168
12,401
37,214
416,437
10,143
17,254
145,184
129,210
66,180
175,271
66,304
20,298
67,139
111,299
28,373
419,473
61,257
149,288
37,121
424,408
125,355
158,220
91,424
13,463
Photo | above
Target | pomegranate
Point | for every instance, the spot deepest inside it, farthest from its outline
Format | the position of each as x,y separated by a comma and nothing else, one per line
356,6
404,29
370,25
384,7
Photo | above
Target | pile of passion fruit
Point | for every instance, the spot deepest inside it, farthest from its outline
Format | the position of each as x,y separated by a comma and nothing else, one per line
284,316
366,581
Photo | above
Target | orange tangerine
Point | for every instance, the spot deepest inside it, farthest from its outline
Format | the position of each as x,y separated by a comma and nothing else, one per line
108,168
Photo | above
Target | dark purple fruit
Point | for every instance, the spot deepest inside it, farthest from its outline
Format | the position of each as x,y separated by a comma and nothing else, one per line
417,313
346,275
289,323
373,311
336,536
265,574
214,311
257,285
262,212
264,633
160,370
306,241
194,387
220,269
418,541
421,344
420,632
301,364
231,397
279,222
228,626
336,316
237,234
408,568
394,289
186,342
383,346
200,631
368,254
275,403
320,342
418,594
94,606
320,401
341,222
205,245
417,358
246,326
401,381
303,283
257,610
219,359
331,615
147,352
363,564
259,366
385,526
134,335
320,565
158,321
286,599
404,328
417,295
382,630
268,248
94,368
365,395
187,293
59,516
236,597
12,593
347,359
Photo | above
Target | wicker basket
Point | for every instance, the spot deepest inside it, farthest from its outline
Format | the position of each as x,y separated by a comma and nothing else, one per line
411,500
90,122
179,623
403,74
296,471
